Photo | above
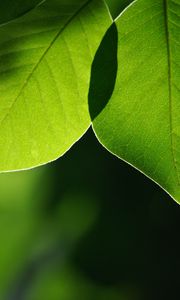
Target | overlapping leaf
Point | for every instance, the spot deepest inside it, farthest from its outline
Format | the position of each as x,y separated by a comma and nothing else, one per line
45,61
141,123
11,9
117,6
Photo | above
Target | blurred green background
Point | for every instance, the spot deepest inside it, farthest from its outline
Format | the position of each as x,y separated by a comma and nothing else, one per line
87,227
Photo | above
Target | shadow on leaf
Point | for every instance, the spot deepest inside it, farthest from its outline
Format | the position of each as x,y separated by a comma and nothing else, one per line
103,72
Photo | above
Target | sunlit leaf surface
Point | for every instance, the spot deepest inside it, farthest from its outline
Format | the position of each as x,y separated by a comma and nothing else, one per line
45,61
141,123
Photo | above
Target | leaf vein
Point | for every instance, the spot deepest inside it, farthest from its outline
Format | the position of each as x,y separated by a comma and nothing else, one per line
42,57
167,32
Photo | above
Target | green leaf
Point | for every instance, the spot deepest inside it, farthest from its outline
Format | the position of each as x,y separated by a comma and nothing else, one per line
140,123
11,9
45,62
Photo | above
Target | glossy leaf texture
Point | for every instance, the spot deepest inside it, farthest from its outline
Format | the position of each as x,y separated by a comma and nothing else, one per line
140,123
45,62
11,9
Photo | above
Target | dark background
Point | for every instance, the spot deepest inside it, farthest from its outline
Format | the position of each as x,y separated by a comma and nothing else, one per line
88,226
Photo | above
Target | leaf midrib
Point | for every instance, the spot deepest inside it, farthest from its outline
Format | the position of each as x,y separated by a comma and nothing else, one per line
42,57
167,32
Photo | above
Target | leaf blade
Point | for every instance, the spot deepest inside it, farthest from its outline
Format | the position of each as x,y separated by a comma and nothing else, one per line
10,11
47,111
136,125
